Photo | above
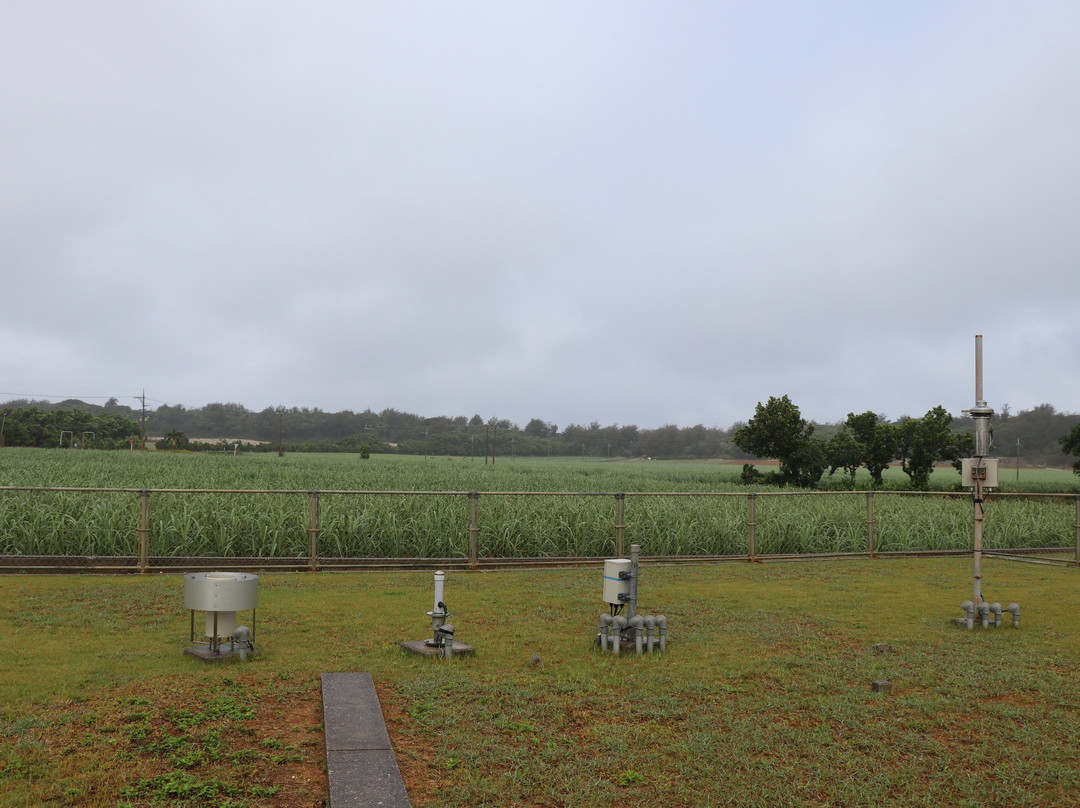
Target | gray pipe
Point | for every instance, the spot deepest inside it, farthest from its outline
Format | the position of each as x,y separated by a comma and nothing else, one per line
1014,610
984,613
631,609
620,624
969,608
446,640
995,609
650,632
661,627
637,623
605,630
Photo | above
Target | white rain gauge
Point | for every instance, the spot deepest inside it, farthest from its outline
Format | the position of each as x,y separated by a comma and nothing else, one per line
220,596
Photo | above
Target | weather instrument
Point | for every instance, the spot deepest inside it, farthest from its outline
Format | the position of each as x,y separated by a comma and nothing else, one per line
980,474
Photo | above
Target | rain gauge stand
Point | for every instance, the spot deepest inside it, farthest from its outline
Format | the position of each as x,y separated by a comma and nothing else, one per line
441,643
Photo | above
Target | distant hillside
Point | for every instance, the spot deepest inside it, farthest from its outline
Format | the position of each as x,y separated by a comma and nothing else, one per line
390,430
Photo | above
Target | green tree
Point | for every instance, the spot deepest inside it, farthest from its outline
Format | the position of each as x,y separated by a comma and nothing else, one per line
779,431
878,440
1070,445
174,439
806,464
844,452
540,429
922,442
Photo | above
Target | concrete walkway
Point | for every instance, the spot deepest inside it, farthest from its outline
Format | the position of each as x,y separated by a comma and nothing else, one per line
360,763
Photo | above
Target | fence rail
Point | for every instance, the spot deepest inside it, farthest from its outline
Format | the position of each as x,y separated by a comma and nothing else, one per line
144,550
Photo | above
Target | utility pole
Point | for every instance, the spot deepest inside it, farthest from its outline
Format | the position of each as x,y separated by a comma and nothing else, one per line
142,421
491,432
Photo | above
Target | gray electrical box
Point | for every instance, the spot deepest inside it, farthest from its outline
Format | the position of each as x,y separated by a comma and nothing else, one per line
615,584
983,469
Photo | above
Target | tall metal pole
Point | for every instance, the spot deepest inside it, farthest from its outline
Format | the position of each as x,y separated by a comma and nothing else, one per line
978,375
981,413
978,497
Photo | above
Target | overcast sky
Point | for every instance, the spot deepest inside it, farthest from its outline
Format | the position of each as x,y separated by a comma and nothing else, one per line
629,212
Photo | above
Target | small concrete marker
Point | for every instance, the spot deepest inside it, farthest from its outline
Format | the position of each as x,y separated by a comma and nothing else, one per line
360,763
881,685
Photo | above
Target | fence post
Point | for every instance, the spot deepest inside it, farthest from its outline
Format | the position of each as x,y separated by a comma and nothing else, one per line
620,523
870,524
313,530
1076,555
474,528
144,530
752,551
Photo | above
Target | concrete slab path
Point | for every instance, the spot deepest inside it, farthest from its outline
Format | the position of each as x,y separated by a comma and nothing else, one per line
360,763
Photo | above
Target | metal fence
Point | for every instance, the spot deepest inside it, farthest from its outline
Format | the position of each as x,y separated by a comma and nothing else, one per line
857,528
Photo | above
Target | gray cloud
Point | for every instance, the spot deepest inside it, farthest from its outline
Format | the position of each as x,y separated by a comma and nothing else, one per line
613,212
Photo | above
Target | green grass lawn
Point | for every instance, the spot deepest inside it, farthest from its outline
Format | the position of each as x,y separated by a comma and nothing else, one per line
762,699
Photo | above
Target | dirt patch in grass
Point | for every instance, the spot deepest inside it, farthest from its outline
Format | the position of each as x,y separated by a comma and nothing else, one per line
303,782
246,741
416,754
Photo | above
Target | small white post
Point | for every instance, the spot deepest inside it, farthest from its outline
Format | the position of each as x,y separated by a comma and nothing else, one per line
440,579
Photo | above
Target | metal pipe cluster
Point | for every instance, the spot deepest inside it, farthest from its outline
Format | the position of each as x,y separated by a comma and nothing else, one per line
989,613
647,632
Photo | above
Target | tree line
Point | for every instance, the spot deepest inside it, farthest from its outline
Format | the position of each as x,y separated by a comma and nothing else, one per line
395,431
66,428
865,440
779,431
